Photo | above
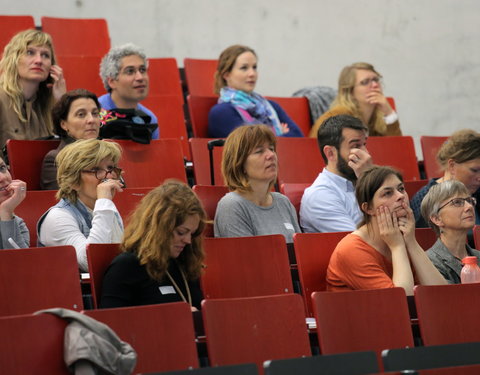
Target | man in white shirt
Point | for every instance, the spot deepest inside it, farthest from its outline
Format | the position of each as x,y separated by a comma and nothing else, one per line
329,204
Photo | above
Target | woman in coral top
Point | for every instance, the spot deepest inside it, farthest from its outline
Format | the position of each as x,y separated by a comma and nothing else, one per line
383,251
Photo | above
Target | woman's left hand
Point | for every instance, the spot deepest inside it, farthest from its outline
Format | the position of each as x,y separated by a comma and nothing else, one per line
376,97
284,127
406,224
59,86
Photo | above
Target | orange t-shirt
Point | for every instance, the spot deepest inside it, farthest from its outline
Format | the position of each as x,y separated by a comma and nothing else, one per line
357,265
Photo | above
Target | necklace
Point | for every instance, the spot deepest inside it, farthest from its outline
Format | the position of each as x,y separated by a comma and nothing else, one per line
178,289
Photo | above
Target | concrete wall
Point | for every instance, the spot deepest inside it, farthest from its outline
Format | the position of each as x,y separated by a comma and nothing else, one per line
426,50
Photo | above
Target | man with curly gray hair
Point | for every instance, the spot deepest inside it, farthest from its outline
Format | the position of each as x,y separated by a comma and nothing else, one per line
124,73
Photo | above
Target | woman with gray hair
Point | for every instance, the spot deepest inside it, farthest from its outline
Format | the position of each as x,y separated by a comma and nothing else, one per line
449,209
88,178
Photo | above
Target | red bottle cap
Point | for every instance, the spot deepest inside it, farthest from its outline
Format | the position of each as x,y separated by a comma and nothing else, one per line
469,260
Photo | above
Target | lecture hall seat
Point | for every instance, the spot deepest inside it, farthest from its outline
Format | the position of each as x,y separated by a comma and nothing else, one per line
246,267
199,74
162,335
78,36
11,25
246,330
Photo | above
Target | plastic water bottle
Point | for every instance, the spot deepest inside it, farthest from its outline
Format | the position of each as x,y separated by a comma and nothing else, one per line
470,271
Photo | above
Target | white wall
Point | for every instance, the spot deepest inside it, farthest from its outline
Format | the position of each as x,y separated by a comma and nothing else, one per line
427,50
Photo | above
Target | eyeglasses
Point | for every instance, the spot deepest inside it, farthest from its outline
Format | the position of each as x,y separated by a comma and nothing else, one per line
459,202
131,70
101,174
368,81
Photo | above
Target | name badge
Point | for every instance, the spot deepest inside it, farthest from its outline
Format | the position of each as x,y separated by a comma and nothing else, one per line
289,226
167,289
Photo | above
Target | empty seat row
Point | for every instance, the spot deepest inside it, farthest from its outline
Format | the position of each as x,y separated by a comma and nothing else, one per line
259,329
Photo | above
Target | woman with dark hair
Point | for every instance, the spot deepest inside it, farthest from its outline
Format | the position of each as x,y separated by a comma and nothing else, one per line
162,251
360,94
30,82
235,81
449,209
75,116
459,158
383,251
249,168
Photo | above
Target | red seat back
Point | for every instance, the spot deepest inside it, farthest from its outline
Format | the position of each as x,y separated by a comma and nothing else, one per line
297,109
11,25
209,196
199,74
430,145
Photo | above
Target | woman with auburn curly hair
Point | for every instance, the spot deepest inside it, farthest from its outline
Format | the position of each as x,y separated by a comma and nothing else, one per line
162,251
30,82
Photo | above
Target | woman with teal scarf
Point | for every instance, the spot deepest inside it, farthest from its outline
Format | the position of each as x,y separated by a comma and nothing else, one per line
238,104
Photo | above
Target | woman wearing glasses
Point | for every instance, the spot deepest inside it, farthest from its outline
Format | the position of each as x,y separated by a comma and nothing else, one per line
360,95
75,116
450,210
88,179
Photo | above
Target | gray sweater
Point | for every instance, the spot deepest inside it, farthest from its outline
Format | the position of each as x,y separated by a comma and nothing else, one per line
238,217
15,229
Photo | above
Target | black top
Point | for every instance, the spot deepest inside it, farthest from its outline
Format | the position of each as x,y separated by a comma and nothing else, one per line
127,283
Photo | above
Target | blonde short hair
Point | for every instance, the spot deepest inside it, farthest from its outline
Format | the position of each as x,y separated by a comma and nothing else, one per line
78,156
239,144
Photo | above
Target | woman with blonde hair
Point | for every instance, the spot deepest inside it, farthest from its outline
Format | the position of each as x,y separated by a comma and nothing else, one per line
249,168
239,104
459,158
360,95
88,178
162,251
30,83
383,251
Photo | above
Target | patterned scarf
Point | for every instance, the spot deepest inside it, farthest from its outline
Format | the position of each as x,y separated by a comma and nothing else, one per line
253,108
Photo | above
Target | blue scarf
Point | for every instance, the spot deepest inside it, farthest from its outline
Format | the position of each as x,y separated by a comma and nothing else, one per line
253,108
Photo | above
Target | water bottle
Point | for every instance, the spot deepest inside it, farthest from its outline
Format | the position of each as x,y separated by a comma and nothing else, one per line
470,271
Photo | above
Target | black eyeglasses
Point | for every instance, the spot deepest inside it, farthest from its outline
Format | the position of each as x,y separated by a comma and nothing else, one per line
459,202
101,174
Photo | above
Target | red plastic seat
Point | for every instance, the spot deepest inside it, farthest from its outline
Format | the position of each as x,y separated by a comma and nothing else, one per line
78,36
201,162
165,77
446,312
313,252
297,109
395,151
476,236
35,204
246,267
294,193
426,237
11,25
209,196
299,160
39,278
26,158
199,74
32,344
171,119
81,72
413,186
256,329
430,145
99,256
199,107
361,320
162,335
149,165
